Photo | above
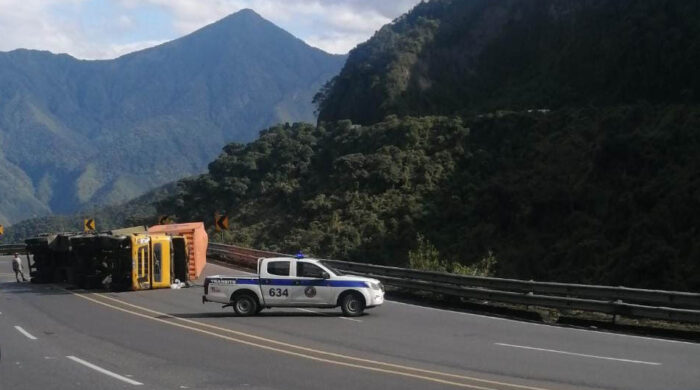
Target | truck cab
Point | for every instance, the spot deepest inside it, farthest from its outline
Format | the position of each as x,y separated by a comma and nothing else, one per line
153,260
294,282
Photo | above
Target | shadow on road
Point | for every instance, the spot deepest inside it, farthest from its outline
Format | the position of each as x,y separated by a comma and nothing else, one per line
12,287
261,314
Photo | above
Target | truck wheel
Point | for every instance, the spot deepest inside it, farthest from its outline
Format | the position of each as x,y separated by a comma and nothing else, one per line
352,305
245,305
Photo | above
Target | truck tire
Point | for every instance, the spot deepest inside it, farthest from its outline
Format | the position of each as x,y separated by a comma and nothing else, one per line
352,304
245,305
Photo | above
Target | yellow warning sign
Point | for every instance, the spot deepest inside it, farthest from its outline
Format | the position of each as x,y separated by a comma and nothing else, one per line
89,224
221,222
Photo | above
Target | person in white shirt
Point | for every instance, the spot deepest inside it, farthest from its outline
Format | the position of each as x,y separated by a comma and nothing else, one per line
17,267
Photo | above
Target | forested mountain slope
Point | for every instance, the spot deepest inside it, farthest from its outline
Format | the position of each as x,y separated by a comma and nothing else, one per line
558,139
608,196
451,56
76,133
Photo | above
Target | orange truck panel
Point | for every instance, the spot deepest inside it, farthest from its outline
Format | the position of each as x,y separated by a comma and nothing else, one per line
197,241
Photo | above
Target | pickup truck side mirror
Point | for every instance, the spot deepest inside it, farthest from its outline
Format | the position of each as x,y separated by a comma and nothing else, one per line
325,275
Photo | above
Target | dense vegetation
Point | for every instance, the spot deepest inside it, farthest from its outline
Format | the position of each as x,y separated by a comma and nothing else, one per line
595,180
601,185
588,195
77,133
451,56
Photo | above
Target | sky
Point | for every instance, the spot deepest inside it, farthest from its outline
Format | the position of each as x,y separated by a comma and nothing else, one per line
104,29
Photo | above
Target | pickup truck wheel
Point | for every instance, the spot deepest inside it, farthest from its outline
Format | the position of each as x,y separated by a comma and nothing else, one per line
245,305
352,305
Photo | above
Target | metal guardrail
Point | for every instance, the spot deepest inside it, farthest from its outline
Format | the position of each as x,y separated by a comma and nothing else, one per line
625,301
12,249
642,296
630,302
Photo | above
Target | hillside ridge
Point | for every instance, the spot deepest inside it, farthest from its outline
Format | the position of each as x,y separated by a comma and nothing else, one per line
76,133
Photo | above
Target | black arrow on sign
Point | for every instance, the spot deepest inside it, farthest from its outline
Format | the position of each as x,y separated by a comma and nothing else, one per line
89,224
222,222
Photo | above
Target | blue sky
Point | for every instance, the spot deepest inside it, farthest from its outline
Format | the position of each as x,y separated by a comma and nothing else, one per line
101,29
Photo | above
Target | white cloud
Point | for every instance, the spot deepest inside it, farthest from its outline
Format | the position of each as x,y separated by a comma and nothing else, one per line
66,26
28,24
336,43
125,22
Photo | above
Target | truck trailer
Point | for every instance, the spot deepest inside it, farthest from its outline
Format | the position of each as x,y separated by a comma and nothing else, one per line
125,259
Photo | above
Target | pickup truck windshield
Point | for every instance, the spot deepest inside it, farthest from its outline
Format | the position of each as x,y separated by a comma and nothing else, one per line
334,270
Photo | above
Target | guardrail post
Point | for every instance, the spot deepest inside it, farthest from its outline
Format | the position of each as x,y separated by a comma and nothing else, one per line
615,314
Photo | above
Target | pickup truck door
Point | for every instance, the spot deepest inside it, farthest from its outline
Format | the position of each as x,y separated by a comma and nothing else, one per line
310,288
276,282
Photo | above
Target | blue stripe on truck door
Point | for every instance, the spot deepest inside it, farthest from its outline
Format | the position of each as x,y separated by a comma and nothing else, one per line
303,282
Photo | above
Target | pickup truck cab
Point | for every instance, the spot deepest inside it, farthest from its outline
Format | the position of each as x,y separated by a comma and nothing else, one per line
294,282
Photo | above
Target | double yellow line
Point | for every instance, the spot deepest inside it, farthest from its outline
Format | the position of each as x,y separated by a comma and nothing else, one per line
301,351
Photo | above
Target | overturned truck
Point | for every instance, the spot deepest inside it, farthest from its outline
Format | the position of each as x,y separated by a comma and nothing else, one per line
125,259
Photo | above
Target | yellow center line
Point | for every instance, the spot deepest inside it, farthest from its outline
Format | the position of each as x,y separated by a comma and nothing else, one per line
319,352
84,296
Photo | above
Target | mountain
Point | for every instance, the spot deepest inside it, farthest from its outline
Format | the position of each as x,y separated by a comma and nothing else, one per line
75,133
597,196
461,57
551,140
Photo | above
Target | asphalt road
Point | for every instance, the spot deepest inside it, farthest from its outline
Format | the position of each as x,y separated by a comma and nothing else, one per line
55,338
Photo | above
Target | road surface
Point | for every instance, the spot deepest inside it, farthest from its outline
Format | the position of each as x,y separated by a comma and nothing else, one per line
57,338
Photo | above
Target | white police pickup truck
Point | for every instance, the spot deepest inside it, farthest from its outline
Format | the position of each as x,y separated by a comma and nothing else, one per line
294,282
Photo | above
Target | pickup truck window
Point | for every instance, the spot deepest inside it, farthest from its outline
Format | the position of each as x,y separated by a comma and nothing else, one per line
280,268
308,270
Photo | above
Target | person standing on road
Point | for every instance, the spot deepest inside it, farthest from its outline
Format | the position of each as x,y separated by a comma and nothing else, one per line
17,267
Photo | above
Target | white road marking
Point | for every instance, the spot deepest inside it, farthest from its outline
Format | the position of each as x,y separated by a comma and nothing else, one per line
349,319
310,311
24,332
562,328
103,371
578,354
327,315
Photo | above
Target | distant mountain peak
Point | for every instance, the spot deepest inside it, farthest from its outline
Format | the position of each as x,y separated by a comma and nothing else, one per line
245,15
247,12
